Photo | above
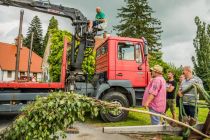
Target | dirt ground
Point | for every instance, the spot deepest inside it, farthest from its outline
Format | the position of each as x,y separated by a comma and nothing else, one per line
90,132
86,131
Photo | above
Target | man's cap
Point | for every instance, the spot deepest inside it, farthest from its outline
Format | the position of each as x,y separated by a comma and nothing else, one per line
157,68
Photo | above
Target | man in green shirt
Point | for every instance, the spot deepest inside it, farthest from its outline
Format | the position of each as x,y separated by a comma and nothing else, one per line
100,20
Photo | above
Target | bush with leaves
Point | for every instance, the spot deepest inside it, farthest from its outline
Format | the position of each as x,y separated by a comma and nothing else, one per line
88,65
56,52
48,117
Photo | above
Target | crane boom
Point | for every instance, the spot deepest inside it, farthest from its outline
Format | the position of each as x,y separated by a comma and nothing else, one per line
44,7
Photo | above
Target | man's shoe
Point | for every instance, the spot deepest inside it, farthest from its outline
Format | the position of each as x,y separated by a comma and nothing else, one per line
192,121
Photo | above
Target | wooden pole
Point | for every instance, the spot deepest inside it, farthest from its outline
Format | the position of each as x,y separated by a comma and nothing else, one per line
19,45
167,118
148,130
29,57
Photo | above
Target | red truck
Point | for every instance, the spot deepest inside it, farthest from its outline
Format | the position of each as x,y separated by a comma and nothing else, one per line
122,70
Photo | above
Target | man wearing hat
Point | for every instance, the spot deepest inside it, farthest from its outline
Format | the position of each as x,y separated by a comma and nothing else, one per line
155,94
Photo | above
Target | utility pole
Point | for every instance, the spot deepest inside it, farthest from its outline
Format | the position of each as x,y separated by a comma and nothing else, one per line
30,56
19,45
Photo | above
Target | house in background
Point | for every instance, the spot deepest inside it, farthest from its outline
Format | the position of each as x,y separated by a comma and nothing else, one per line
8,63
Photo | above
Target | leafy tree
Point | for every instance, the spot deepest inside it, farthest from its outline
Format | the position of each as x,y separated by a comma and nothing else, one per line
137,21
55,58
88,65
202,49
36,28
166,67
53,25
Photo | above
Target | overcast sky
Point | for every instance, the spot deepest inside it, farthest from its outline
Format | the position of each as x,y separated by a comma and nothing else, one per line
177,17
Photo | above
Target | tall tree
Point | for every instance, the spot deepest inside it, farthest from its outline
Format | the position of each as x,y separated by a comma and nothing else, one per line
56,52
137,21
36,27
201,60
53,25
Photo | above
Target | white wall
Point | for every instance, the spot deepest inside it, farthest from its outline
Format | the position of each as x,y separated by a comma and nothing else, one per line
39,77
1,74
6,79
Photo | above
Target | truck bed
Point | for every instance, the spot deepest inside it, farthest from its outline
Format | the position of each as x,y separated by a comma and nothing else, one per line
31,85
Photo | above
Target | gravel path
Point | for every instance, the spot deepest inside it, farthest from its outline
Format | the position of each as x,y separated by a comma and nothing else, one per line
86,131
89,132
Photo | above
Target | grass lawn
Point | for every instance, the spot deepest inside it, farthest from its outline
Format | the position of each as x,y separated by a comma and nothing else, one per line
137,119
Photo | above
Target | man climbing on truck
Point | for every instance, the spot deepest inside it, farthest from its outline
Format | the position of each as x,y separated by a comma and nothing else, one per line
99,22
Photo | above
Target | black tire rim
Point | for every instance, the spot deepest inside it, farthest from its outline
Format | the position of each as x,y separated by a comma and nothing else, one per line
118,102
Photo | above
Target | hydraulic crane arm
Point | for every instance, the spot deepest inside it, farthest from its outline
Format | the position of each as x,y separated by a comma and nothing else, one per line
79,21
46,7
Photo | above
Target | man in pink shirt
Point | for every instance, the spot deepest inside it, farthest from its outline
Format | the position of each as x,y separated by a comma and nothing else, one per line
155,94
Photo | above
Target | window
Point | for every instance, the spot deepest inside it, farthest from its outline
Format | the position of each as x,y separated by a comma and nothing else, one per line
22,73
35,75
102,50
9,74
138,54
98,52
126,51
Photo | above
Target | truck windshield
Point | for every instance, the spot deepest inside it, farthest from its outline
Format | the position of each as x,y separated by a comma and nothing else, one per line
130,52
126,52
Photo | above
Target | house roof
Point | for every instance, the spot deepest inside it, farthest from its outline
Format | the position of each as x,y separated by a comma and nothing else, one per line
8,59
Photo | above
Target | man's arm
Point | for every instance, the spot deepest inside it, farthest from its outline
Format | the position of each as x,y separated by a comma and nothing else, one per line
180,94
101,20
148,101
153,91
171,88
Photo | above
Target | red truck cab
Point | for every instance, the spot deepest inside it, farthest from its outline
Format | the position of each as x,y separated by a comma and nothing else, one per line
123,59
123,73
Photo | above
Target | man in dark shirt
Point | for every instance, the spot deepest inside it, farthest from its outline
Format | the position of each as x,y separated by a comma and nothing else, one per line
171,89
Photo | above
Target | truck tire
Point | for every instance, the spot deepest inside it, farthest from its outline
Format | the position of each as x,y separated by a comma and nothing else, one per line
119,98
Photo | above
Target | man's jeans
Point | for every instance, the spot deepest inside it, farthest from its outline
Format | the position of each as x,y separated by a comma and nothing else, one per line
154,119
189,110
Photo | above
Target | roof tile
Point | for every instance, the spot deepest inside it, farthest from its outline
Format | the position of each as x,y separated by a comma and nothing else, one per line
8,59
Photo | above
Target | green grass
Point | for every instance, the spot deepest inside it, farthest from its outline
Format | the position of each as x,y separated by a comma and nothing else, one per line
137,119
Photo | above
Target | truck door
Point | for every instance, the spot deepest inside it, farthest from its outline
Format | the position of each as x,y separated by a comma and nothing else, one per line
129,63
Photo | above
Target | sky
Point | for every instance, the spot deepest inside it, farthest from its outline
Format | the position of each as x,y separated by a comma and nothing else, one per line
176,16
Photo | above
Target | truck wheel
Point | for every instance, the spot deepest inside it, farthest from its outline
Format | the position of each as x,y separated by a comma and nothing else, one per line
116,97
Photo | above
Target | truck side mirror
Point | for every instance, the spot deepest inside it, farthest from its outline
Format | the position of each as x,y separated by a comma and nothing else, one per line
145,46
145,50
